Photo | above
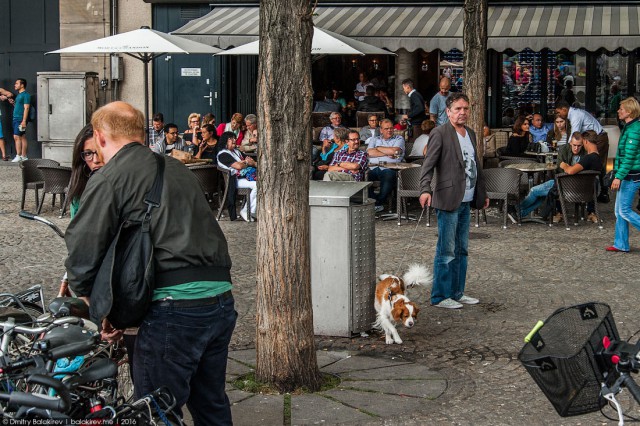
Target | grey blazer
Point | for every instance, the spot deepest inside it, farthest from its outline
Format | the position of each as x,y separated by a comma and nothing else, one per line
444,157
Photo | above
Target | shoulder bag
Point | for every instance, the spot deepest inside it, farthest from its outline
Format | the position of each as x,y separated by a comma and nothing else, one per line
127,273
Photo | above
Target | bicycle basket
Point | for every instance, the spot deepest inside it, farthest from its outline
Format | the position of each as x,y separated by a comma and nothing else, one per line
561,357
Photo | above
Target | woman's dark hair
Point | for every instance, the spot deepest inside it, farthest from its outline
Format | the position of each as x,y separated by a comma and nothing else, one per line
224,138
212,129
79,170
517,126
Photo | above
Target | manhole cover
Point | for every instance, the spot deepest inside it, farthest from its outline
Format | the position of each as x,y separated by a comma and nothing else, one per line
478,236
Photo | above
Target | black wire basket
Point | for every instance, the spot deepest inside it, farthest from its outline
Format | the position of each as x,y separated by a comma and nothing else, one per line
563,357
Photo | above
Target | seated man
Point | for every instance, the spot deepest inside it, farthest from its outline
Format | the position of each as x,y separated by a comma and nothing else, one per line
250,139
349,164
170,142
325,104
372,129
538,129
372,103
538,193
327,132
388,148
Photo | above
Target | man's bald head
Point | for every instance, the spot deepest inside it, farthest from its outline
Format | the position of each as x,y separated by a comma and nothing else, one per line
119,121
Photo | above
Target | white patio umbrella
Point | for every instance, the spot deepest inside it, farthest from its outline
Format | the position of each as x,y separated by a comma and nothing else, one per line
324,42
145,45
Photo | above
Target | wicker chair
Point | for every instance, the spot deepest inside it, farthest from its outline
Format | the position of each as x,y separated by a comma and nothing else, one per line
408,187
503,184
32,177
56,181
579,189
209,178
231,191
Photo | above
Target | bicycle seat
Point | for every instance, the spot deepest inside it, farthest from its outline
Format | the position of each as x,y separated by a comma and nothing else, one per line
67,335
102,368
69,307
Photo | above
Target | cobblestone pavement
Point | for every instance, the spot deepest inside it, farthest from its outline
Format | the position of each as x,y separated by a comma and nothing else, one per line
521,275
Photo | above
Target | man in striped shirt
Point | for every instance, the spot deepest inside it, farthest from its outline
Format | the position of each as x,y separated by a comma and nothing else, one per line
348,164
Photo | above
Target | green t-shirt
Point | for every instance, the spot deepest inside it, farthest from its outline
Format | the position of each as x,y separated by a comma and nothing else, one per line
192,290
18,108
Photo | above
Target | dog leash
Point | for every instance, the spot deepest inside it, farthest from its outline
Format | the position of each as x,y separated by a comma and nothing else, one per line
411,239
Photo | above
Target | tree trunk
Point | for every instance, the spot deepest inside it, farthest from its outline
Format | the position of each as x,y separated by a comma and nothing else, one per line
474,38
286,356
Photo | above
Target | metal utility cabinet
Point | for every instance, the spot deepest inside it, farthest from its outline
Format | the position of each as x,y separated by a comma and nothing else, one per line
343,257
66,101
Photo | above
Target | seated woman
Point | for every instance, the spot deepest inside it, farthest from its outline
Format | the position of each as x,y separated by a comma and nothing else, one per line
372,128
235,126
420,144
560,132
231,160
519,139
329,148
193,123
209,147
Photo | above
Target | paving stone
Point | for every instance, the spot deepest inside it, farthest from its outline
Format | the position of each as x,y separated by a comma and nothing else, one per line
318,409
382,405
259,410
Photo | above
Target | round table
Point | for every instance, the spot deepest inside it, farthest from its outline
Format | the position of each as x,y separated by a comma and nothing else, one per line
531,169
397,166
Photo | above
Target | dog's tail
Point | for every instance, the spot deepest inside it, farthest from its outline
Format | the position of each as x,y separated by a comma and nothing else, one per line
417,275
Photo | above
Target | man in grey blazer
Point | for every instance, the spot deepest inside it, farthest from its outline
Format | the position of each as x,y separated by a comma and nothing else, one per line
459,186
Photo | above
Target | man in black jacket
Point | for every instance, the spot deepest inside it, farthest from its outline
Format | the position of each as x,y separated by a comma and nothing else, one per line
183,341
372,103
416,114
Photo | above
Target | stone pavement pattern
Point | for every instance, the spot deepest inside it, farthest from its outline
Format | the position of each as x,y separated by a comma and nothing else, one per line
463,363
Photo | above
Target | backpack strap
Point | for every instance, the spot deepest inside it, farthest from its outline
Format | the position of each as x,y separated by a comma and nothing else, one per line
152,198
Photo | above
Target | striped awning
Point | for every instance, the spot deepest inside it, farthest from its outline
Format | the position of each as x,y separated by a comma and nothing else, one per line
431,28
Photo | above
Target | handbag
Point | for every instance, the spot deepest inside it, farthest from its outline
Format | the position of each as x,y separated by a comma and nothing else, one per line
608,178
126,275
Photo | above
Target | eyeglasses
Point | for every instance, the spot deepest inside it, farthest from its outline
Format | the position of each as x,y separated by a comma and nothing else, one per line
88,155
354,139
372,119
195,121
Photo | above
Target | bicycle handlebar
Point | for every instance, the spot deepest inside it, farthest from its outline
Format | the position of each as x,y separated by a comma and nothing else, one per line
31,216
61,404
8,326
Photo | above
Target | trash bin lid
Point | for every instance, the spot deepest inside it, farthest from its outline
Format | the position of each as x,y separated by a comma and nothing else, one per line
333,194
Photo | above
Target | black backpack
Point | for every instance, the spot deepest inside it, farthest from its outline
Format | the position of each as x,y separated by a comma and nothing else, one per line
127,272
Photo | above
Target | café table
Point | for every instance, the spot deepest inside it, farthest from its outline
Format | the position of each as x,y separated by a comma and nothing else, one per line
531,169
541,156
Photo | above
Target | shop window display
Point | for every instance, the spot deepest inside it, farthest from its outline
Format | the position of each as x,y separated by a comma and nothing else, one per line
521,89
611,84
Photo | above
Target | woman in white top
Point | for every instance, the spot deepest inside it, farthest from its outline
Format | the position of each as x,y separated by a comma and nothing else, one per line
420,144
560,132
230,159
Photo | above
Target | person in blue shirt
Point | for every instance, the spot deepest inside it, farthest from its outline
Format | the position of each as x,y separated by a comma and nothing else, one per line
20,115
539,129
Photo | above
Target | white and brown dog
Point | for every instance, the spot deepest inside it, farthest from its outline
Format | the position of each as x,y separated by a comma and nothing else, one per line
393,306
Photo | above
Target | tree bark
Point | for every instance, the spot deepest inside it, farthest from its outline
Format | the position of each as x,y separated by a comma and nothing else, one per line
474,38
285,347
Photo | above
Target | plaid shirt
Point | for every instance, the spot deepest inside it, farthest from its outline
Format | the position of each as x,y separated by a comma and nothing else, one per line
359,157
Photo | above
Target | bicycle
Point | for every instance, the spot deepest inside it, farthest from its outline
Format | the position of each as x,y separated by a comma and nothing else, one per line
579,362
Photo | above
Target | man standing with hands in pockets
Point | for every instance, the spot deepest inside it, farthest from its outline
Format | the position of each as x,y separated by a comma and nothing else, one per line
460,186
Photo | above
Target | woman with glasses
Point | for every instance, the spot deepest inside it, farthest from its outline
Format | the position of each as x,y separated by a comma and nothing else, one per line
627,174
85,161
193,124
560,132
236,126
520,138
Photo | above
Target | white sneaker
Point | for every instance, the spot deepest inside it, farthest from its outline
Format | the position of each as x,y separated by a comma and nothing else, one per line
243,215
449,304
23,158
15,160
379,209
468,300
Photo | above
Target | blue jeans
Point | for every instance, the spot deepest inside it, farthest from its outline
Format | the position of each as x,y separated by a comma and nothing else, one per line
625,214
450,262
387,178
186,350
535,197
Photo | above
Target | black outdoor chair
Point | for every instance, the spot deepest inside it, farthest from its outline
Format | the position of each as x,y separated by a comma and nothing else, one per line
229,198
32,177
408,187
503,185
56,182
209,178
579,189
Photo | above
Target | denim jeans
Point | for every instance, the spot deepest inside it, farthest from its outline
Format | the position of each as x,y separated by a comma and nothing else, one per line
186,350
625,214
450,262
387,178
535,197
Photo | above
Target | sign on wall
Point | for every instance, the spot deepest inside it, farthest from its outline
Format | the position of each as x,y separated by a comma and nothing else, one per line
190,72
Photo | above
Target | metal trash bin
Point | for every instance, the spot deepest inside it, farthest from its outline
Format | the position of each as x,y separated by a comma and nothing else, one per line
343,257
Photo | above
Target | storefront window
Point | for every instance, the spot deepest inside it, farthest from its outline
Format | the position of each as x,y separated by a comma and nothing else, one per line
567,78
611,84
451,66
521,90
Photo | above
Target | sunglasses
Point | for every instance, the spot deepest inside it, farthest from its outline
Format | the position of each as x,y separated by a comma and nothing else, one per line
88,155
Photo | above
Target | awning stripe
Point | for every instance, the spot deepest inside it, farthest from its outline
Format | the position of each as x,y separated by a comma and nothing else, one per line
440,27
